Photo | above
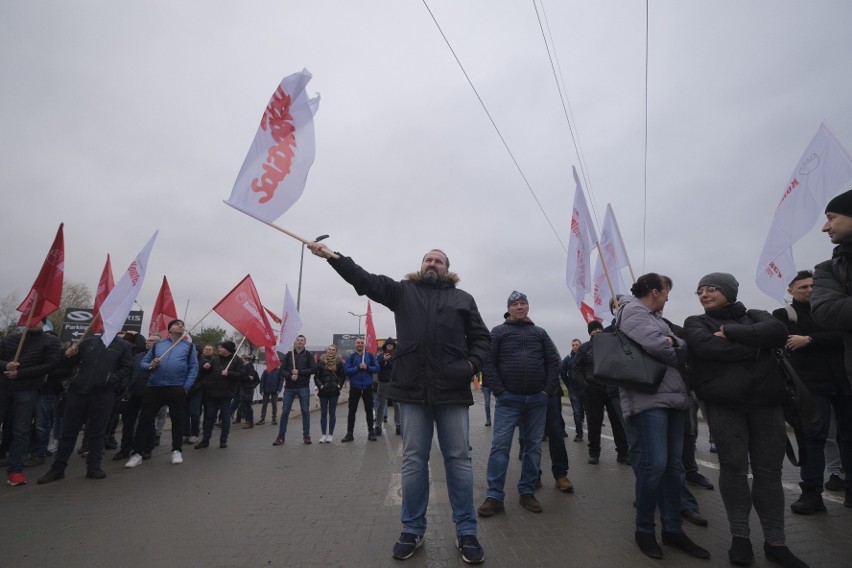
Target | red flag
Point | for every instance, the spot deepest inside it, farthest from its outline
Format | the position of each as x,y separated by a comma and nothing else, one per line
588,313
105,286
164,310
272,360
242,308
272,314
370,342
46,294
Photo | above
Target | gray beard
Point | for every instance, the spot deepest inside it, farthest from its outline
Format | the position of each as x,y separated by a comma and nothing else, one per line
430,276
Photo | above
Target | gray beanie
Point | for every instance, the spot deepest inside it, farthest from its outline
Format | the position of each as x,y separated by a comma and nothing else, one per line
516,297
726,283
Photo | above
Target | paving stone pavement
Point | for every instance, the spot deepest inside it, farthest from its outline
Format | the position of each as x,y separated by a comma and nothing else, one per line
255,505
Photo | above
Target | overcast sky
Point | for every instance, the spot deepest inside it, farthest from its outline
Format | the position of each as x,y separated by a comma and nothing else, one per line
120,118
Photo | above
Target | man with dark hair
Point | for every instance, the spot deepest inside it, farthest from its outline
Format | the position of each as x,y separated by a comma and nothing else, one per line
22,376
99,373
219,384
442,342
576,391
174,367
359,369
817,356
296,369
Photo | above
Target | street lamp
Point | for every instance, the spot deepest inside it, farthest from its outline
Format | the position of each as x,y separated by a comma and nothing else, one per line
359,316
301,263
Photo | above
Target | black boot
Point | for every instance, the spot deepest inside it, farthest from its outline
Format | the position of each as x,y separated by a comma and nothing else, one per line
740,552
684,543
648,545
782,555
810,501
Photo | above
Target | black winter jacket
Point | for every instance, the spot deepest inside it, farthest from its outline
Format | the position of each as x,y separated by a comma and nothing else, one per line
304,364
740,371
217,385
820,364
325,376
97,367
41,354
523,360
831,301
442,341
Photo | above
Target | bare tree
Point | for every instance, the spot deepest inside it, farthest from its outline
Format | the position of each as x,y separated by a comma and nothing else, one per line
8,313
74,295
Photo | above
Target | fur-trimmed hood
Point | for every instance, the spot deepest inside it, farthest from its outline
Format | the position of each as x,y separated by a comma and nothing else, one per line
450,278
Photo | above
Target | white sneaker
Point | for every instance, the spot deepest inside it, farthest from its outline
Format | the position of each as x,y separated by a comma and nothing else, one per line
135,459
329,439
177,457
323,439
53,445
192,440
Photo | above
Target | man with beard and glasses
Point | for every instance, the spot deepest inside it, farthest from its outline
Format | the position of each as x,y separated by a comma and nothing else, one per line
442,343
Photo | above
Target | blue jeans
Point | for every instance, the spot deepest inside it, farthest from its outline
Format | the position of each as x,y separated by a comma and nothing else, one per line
21,405
452,423
44,418
328,411
212,407
578,405
486,397
660,476
304,395
813,472
192,420
528,414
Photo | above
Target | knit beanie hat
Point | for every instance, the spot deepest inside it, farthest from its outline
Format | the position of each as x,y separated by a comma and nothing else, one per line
230,346
726,283
516,297
842,204
593,325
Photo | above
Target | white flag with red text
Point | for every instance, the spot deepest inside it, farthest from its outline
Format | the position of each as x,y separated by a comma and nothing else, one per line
291,323
120,300
578,271
276,167
613,256
821,172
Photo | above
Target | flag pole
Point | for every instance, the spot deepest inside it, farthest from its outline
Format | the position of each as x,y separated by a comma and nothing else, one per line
606,273
228,366
27,327
276,227
185,333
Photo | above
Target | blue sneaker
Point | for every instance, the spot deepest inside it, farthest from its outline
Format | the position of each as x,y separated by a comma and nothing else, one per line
407,545
471,550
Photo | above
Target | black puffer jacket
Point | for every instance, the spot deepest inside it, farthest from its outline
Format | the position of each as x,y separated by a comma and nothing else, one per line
831,301
820,364
523,360
40,355
442,341
740,371
97,367
217,385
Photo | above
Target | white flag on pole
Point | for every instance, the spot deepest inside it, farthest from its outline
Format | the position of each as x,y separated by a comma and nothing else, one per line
578,271
276,167
821,172
615,258
291,323
117,305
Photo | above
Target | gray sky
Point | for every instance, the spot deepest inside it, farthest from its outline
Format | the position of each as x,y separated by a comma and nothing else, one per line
120,118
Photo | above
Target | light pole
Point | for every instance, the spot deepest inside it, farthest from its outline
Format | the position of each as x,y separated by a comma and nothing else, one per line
301,263
359,316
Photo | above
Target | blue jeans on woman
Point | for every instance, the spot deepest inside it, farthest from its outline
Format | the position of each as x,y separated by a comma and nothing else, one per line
659,475
328,411
452,423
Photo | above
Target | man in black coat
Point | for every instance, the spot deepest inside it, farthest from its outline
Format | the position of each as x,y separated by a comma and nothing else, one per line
442,342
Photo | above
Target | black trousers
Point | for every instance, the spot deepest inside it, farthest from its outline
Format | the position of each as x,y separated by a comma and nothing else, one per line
154,399
596,401
356,394
94,410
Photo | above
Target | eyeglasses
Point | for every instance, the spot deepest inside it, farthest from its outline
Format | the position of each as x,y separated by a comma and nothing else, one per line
708,289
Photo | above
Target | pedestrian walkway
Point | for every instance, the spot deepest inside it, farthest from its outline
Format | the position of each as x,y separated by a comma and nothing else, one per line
254,505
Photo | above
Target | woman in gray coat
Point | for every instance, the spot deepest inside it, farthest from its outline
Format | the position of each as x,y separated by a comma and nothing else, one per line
657,419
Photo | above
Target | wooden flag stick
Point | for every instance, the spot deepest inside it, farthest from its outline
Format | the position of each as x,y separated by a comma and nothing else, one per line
608,280
185,333
228,366
276,227
27,327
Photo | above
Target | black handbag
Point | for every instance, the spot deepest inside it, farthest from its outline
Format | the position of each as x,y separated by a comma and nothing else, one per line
618,361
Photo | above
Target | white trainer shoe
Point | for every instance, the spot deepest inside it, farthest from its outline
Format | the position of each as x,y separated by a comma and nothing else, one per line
135,459
329,439
177,457
192,440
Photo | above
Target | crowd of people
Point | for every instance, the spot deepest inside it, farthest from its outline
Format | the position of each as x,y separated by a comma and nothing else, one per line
727,361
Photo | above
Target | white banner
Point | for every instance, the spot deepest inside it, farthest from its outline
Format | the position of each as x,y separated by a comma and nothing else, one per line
613,255
821,172
578,270
117,305
291,323
276,167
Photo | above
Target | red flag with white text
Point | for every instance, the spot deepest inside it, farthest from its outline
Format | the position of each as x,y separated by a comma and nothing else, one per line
242,308
371,344
105,286
164,310
46,293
